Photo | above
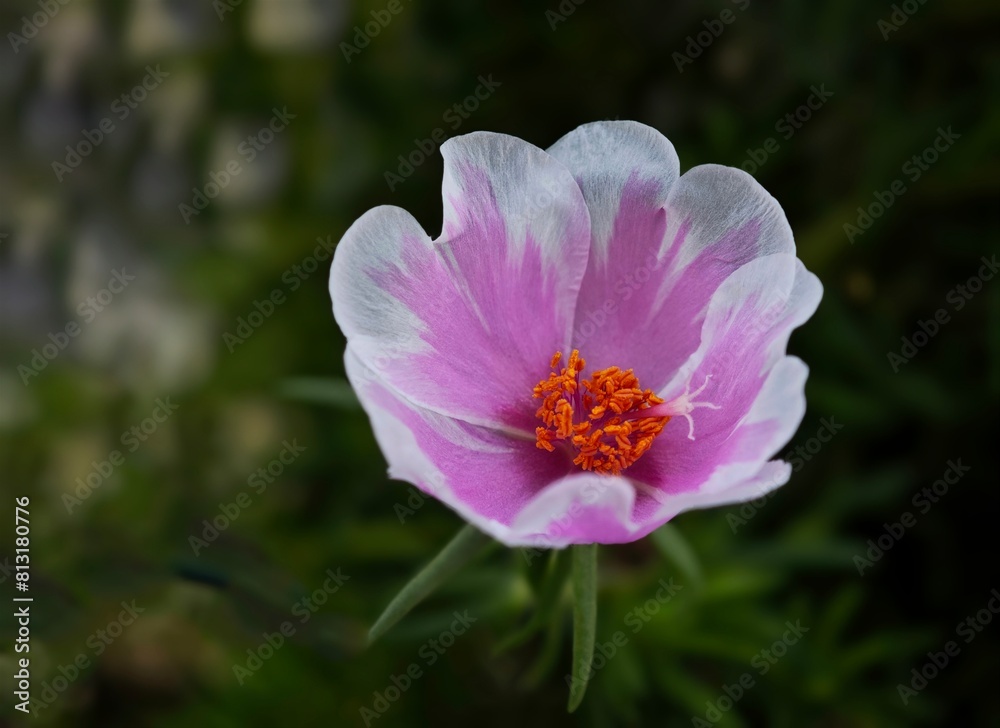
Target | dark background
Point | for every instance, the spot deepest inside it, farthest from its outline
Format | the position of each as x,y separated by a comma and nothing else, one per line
745,571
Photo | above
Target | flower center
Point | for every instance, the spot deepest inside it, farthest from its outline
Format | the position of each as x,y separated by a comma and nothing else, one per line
599,418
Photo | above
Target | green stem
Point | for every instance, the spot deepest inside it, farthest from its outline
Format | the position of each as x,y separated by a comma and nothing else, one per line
584,620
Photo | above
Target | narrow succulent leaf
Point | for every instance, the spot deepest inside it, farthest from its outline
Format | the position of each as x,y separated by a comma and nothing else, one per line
467,544
584,620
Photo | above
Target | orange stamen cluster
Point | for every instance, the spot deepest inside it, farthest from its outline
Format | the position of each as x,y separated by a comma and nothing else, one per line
596,417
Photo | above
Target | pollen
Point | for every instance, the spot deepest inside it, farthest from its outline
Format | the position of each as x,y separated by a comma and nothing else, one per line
598,419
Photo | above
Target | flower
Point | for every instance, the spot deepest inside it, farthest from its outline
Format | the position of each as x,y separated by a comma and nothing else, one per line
594,344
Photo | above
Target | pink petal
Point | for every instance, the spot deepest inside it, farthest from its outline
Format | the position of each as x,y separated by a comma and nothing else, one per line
718,219
661,245
466,325
580,508
502,484
758,389
486,476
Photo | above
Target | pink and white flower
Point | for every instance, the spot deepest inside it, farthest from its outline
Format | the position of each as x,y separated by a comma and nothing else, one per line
594,344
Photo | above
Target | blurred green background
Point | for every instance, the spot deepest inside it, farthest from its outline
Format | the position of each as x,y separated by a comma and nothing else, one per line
326,525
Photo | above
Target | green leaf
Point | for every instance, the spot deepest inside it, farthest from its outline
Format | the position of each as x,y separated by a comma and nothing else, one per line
467,544
584,620
335,393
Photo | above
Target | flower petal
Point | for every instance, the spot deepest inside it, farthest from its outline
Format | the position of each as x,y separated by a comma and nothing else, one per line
465,325
731,444
772,475
625,170
503,485
486,476
662,245
758,390
718,219
580,508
